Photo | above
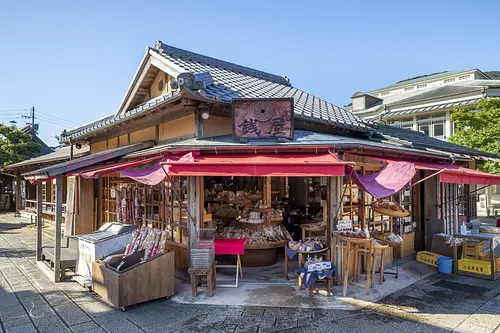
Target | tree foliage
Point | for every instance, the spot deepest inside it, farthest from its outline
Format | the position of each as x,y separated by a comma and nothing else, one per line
494,75
15,145
479,129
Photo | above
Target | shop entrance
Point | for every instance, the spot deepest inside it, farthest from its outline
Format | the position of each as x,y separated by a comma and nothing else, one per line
267,212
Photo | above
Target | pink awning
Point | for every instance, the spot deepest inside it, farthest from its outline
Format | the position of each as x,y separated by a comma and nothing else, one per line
279,164
388,181
96,171
150,176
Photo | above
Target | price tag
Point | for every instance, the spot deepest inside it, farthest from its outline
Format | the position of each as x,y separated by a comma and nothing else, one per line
344,225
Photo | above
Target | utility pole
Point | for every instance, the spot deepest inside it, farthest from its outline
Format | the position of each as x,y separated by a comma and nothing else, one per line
32,116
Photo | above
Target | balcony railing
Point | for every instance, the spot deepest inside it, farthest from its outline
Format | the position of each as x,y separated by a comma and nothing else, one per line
47,207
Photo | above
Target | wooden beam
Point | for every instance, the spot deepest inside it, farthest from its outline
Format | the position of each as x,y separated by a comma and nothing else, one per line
18,193
57,242
39,220
192,199
267,197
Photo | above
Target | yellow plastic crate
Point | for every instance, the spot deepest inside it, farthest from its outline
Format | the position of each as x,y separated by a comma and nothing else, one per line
474,266
428,258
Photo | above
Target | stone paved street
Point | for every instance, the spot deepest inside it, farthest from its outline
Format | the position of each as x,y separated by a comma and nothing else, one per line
30,303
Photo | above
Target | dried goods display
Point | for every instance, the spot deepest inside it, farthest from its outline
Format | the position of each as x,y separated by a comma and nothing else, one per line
307,245
128,206
352,234
148,239
389,208
268,234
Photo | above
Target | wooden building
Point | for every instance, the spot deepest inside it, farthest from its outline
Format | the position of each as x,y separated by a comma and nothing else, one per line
179,104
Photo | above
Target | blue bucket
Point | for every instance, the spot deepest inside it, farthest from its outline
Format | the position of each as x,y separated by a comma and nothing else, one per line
445,265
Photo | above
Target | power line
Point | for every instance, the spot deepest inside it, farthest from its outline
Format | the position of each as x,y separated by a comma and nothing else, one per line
54,120
15,110
58,118
54,123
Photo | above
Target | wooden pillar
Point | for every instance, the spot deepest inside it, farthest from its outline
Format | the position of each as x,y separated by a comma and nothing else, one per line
194,212
267,197
39,220
333,202
57,242
18,193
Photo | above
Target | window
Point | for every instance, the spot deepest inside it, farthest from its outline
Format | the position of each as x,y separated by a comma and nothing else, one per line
409,88
420,86
433,125
406,123
385,93
449,80
464,77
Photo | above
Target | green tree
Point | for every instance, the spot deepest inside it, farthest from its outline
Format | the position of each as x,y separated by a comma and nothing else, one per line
479,130
15,145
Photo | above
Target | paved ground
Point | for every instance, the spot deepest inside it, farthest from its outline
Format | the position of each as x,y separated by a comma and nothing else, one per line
29,303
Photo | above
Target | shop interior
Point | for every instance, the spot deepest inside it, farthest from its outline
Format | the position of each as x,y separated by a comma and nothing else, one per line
267,211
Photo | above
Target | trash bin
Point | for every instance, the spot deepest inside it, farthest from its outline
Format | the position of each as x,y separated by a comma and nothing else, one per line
445,265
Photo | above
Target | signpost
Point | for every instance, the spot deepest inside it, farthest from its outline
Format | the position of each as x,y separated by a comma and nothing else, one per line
262,118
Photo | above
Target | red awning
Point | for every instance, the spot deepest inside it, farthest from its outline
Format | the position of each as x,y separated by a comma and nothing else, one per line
280,164
452,173
96,171
460,175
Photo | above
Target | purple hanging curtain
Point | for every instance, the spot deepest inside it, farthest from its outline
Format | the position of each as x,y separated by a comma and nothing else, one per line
388,181
150,176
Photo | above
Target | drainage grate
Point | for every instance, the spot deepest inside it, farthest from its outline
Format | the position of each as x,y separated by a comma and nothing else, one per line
461,287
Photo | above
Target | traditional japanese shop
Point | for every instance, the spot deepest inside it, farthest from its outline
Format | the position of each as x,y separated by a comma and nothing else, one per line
266,182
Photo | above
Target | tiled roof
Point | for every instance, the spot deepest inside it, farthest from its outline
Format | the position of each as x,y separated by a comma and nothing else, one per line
306,138
235,81
440,92
224,81
420,140
430,108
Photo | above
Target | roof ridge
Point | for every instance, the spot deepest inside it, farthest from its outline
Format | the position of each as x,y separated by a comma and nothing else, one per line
181,53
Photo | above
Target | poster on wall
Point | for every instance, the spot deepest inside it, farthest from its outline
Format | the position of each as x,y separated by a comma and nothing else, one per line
262,118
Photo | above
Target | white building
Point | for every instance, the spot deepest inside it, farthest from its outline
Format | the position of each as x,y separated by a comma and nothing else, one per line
425,104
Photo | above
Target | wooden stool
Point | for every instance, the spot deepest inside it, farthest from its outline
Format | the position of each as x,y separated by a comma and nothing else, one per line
195,273
356,248
378,250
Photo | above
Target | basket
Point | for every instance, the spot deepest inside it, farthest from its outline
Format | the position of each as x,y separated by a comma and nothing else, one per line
474,266
254,197
390,212
489,230
352,239
240,202
314,226
428,258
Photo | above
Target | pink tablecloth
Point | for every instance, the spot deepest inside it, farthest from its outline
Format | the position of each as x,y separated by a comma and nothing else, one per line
230,246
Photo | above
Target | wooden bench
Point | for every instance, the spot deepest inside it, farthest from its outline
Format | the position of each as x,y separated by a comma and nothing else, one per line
195,275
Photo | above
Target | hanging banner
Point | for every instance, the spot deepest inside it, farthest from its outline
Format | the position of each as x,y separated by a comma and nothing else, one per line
262,118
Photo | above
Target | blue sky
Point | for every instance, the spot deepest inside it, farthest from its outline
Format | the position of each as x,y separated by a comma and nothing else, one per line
74,61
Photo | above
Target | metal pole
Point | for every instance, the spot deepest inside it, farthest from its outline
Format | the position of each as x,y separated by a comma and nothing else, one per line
33,118
57,244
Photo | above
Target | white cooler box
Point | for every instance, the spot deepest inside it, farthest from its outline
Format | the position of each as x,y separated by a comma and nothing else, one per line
110,238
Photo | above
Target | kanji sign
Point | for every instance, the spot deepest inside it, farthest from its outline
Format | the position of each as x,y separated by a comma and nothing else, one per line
262,118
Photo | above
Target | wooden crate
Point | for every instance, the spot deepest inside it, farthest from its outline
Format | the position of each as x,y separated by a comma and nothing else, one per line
473,250
407,247
487,257
141,283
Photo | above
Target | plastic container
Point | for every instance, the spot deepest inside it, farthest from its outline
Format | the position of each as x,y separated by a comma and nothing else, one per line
428,258
445,265
474,266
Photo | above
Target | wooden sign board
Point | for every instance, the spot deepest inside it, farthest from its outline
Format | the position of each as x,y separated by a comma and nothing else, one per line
262,118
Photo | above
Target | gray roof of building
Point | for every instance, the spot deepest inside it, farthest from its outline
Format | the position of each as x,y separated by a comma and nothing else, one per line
425,78
230,81
447,90
420,140
224,81
59,155
432,108
389,138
